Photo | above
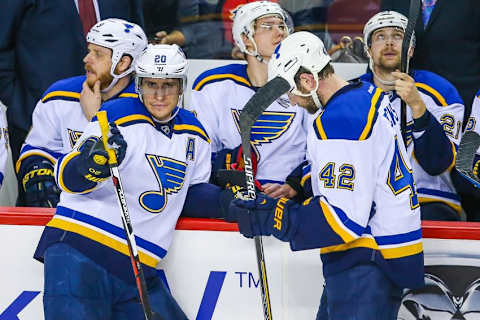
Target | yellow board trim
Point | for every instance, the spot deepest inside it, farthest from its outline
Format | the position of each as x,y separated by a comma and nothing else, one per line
191,128
101,238
371,114
61,94
434,92
221,76
329,216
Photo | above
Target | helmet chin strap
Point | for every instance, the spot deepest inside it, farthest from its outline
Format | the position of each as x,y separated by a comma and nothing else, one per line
170,118
389,83
110,86
313,93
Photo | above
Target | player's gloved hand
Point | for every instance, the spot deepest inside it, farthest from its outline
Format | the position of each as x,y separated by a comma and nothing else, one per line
225,198
39,185
93,158
265,216
227,165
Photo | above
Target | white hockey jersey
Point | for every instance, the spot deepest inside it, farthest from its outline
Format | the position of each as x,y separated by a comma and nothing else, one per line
278,137
156,172
362,178
444,103
58,120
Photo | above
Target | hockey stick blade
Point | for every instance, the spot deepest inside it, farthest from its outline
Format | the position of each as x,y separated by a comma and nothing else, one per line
257,104
465,156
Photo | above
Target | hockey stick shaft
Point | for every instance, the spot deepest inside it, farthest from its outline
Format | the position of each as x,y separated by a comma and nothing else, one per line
127,225
250,113
407,38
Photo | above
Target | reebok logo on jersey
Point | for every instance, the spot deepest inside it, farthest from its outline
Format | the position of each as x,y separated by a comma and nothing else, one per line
279,213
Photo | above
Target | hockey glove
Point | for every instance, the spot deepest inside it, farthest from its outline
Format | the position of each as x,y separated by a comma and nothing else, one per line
225,198
228,167
265,216
39,185
93,158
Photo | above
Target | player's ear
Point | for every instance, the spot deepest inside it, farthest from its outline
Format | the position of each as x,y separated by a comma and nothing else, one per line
248,43
307,81
123,64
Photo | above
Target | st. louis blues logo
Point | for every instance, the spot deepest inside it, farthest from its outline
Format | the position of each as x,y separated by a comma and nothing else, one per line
170,174
74,136
268,127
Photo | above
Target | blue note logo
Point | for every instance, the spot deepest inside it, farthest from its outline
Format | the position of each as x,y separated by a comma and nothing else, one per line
268,127
170,174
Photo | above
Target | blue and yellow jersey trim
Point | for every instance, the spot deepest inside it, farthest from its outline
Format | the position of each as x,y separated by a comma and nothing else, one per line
442,92
330,124
234,72
62,162
186,122
66,89
105,234
69,90
354,236
31,151
452,200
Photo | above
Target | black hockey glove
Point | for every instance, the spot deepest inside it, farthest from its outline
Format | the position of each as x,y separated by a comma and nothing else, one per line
225,198
39,185
93,158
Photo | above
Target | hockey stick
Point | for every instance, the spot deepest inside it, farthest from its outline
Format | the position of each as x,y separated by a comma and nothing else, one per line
465,157
407,38
127,225
250,113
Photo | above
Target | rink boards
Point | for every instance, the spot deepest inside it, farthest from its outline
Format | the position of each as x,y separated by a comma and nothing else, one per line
211,269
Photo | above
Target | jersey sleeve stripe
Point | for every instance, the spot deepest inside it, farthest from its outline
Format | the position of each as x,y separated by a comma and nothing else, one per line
61,167
339,222
61,95
191,129
217,77
454,158
371,115
434,94
319,128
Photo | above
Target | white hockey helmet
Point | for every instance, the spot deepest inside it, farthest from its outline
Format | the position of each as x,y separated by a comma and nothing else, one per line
244,19
300,49
384,19
123,38
161,61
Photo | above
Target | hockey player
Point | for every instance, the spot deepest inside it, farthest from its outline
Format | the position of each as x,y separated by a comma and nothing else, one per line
218,97
434,114
68,105
164,155
364,213
474,124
